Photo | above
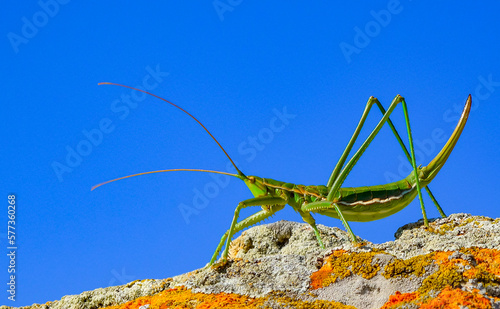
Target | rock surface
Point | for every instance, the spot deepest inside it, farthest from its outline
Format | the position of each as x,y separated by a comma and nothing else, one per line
280,265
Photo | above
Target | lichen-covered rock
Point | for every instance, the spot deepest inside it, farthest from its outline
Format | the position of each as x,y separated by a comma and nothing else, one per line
451,233
454,263
285,238
104,297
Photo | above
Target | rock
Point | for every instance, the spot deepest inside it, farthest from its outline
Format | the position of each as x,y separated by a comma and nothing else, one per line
456,261
104,297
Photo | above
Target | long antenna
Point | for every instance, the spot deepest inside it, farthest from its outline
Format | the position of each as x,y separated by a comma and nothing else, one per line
162,171
174,105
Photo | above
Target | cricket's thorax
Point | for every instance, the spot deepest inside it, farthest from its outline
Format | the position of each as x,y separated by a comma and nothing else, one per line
295,193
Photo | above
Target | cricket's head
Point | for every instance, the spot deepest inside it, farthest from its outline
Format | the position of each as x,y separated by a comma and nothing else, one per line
255,184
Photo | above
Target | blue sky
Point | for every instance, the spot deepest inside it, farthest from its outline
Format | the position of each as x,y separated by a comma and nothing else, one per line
282,87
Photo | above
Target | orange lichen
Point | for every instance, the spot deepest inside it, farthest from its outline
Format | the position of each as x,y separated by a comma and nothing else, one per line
182,298
456,298
441,289
399,299
341,264
321,276
483,266
487,259
447,298
453,271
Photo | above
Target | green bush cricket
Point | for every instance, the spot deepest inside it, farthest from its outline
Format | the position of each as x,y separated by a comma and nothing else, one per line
359,204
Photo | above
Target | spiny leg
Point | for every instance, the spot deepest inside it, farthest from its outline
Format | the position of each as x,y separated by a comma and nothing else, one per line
342,175
334,177
275,204
408,156
413,163
338,181
247,222
338,167
347,150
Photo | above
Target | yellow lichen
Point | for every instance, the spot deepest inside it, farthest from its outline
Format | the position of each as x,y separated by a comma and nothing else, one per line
341,264
445,276
287,302
448,274
404,268
442,229
318,304
446,227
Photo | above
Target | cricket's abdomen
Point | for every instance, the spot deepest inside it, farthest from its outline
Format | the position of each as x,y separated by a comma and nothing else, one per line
374,202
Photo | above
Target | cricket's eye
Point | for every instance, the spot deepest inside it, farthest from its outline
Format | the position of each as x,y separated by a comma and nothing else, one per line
252,179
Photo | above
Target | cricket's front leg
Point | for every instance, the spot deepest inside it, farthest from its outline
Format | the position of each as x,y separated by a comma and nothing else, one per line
275,204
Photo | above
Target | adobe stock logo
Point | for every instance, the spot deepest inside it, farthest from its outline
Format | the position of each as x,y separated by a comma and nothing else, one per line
426,148
121,109
372,29
223,6
250,148
120,278
48,9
